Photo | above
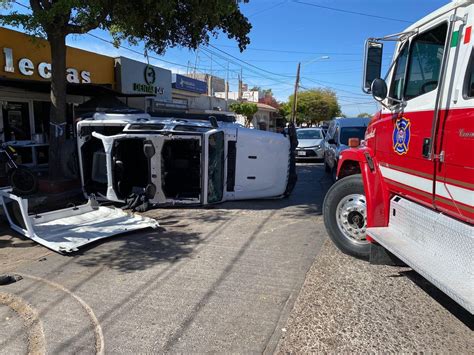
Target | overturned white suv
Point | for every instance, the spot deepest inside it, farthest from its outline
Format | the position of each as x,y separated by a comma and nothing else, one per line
173,161
155,161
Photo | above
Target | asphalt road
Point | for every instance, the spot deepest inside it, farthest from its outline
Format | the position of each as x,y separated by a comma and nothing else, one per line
242,277
222,279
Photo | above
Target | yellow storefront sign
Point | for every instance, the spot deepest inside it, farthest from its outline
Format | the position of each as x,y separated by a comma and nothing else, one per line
26,57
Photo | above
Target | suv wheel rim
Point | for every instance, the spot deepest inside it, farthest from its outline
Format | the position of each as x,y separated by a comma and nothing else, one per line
351,217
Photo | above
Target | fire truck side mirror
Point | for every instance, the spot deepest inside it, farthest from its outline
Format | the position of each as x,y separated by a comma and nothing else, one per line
372,63
379,89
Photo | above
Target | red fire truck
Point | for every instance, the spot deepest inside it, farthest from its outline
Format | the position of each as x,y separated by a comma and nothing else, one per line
409,186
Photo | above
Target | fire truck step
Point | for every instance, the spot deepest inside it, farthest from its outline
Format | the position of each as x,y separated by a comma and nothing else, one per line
438,247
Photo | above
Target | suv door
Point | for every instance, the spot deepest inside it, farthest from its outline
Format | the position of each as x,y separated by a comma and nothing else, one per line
407,126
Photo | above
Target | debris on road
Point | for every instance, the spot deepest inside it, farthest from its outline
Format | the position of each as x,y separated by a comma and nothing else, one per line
68,229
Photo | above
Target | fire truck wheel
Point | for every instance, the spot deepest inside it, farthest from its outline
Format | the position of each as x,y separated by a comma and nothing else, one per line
345,216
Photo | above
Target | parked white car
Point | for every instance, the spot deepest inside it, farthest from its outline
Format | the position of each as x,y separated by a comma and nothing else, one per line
310,143
181,161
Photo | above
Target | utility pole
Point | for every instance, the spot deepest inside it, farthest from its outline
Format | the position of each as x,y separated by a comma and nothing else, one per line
240,86
195,62
295,95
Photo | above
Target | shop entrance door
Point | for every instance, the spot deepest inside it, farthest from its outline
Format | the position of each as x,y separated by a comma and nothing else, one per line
16,121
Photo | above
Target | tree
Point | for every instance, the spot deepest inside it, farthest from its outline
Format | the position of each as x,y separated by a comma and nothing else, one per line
285,110
246,109
364,114
268,99
159,23
316,105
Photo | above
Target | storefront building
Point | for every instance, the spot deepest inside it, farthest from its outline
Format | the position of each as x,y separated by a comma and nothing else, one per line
138,78
25,71
186,89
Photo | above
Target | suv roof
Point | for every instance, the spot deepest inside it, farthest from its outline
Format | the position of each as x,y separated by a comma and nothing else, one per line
353,121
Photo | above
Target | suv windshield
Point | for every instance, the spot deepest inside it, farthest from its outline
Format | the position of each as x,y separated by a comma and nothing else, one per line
309,134
351,132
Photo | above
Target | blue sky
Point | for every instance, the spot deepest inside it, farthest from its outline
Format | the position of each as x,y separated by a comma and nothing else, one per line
285,32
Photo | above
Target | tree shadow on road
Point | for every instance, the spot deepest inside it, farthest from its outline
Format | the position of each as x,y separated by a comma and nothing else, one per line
139,250
306,199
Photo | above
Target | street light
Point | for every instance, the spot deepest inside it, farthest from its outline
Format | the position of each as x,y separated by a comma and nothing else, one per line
323,57
297,83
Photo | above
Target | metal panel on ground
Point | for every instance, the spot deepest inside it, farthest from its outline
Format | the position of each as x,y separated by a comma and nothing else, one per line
68,229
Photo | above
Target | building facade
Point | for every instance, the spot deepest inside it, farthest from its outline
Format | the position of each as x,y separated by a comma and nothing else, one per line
25,72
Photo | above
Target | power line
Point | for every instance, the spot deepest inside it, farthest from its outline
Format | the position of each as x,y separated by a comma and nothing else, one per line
333,88
291,51
247,63
267,9
250,68
351,12
338,84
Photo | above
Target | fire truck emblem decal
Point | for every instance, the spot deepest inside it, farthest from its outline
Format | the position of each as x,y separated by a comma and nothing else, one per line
401,136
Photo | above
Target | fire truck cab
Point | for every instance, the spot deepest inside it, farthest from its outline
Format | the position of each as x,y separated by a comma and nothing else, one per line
409,186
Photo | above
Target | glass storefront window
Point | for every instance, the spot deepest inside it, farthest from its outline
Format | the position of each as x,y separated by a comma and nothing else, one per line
41,115
16,121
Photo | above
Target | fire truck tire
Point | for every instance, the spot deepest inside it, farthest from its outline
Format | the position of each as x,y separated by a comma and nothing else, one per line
344,211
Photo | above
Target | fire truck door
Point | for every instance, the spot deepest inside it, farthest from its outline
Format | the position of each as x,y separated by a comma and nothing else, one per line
408,127
454,189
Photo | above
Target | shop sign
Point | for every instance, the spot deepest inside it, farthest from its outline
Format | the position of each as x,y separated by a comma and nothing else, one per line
26,67
182,82
135,77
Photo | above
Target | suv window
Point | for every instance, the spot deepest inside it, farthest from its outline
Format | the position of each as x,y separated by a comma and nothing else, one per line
396,89
336,134
351,132
330,133
426,55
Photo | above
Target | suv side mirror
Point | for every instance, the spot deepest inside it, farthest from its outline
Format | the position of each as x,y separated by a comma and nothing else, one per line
372,63
331,141
379,89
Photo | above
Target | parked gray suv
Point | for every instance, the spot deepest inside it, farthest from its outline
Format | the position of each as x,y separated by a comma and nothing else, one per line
337,138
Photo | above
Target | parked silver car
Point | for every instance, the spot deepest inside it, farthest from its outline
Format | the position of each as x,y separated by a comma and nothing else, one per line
310,143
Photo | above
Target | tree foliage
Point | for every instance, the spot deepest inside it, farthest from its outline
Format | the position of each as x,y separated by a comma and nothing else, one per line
246,109
315,105
158,23
285,110
364,114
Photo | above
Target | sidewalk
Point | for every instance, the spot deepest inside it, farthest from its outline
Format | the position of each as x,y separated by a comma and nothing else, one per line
348,305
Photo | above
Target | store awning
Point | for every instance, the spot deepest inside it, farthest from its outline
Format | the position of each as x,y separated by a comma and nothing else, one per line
91,90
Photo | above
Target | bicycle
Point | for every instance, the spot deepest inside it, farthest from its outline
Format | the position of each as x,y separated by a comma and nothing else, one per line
22,180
